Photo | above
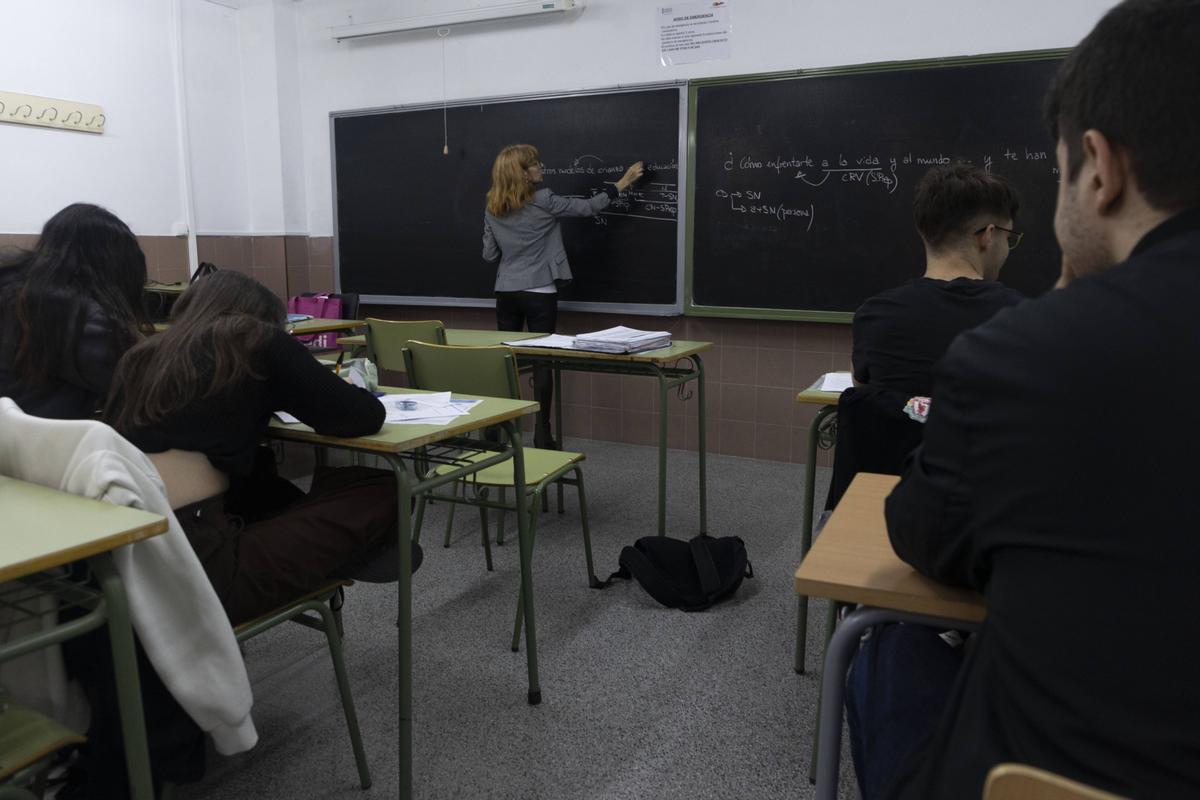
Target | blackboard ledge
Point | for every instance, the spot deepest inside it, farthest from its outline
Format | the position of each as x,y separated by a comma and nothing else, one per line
797,315
643,309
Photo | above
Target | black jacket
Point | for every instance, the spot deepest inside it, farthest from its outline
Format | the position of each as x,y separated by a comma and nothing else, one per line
1057,476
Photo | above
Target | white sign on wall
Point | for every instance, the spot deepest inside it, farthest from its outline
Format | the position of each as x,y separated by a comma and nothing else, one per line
693,31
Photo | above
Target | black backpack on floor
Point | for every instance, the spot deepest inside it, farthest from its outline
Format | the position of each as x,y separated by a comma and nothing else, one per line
688,575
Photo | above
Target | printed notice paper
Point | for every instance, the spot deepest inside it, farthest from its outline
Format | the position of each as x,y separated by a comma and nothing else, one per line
694,31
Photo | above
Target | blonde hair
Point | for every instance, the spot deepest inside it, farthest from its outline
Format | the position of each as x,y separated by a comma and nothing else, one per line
511,188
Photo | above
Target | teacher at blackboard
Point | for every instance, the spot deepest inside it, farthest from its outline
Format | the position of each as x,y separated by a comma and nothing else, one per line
520,229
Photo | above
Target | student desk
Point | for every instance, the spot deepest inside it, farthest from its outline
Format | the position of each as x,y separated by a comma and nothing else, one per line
673,366
440,441
853,562
305,326
318,325
821,432
50,529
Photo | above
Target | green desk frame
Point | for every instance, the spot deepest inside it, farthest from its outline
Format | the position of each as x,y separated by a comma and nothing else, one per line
33,569
673,367
439,441
822,432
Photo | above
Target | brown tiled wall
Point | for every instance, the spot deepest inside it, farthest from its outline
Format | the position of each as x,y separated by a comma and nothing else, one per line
753,371
752,375
288,265
166,256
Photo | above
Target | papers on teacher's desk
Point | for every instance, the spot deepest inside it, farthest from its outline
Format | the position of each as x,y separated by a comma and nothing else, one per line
611,340
438,408
835,382
554,340
622,340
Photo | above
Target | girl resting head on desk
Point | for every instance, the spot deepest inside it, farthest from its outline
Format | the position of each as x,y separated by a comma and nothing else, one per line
198,397
74,306
521,231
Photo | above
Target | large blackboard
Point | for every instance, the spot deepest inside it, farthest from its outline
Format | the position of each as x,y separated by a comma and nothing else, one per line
804,184
410,220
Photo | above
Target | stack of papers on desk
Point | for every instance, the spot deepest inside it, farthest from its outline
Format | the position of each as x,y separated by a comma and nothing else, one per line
835,382
431,409
554,340
622,340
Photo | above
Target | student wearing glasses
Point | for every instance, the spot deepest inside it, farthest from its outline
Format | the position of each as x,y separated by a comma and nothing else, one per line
521,231
965,218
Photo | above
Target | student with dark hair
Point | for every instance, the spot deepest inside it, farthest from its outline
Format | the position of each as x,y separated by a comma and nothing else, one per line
1036,486
73,306
965,218
197,398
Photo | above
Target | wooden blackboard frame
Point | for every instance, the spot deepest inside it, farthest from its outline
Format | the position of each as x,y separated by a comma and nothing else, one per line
651,309
694,86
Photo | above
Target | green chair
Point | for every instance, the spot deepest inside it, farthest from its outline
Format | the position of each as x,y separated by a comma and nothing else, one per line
386,339
324,603
27,741
492,372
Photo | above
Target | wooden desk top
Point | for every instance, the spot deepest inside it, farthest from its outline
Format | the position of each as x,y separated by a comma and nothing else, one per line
166,288
400,438
853,561
47,527
815,396
488,338
324,325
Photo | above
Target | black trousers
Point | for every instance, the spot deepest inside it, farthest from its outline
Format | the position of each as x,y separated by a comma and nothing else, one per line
538,310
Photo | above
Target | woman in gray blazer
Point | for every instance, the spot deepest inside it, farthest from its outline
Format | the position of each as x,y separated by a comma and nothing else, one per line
521,231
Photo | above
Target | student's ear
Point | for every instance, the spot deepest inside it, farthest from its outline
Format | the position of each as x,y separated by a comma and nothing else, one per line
1110,173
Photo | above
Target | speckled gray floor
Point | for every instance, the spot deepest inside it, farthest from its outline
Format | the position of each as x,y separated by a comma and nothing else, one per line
638,701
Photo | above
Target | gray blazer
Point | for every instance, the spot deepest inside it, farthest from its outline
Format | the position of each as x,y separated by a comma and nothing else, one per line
528,241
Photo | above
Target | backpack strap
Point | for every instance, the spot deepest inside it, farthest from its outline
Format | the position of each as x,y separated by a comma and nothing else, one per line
706,568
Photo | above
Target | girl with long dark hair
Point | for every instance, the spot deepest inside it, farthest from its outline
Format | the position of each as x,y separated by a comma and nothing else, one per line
197,398
73,306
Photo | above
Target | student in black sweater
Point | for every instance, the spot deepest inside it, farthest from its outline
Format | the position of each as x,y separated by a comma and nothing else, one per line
209,385
1036,486
73,306
965,217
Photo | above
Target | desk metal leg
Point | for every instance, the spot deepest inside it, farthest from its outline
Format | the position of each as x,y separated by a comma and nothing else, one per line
129,694
701,443
806,529
525,545
559,435
404,622
662,454
838,655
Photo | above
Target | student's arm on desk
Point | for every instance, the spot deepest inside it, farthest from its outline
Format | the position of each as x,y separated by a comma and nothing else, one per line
928,510
304,388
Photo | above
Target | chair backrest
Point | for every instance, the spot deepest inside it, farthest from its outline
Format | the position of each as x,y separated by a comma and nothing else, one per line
489,371
873,435
386,339
1022,782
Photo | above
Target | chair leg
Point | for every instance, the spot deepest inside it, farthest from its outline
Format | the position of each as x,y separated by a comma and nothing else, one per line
419,518
483,529
500,518
593,581
462,485
343,682
520,620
